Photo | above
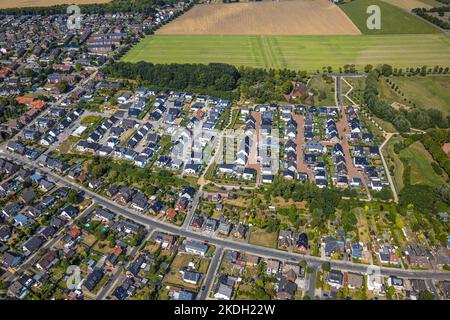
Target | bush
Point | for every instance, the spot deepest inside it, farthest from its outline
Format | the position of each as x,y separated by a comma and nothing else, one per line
436,168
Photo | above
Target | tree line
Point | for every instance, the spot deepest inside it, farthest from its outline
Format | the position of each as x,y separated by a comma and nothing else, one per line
402,119
381,108
421,12
218,79
139,6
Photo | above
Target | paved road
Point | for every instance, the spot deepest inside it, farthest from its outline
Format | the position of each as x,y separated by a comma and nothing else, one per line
312,282
347,75
433,289
34,258
212,271
105,291
388,174
227,243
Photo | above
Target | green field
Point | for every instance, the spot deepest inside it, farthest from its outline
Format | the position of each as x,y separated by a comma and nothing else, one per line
419,159
425,92
322,86
415,156
394,20
295,52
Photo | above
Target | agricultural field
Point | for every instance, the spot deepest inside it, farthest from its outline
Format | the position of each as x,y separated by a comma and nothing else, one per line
300,17
295,52
394,20
44,3
412,4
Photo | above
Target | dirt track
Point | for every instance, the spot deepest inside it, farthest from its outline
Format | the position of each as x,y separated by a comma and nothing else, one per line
298,17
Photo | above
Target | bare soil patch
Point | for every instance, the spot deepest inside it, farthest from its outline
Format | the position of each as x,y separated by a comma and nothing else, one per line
446,148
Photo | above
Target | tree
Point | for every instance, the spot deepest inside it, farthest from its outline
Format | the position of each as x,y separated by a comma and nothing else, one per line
72,196
303,263
62,86
386,70
368,68
326,266
3,285
426,295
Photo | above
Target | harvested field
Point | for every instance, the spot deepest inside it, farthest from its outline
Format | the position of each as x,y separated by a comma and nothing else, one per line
394,20
43,3
412,4
299,17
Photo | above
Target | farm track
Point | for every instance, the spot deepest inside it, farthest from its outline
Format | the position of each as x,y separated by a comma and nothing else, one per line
273,63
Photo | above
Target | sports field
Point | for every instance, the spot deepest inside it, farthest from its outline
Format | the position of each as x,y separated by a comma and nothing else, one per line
299,17
394,20
295,52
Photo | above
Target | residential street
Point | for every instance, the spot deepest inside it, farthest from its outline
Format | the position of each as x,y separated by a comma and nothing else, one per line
106,290
212,272
227,243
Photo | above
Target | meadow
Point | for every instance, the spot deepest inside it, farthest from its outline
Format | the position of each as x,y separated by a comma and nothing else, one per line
295,52
394,20
425,92
418,158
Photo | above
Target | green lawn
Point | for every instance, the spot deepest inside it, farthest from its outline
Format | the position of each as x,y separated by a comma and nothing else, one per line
262,238
323,86
425,92
394,20
421,171
295,52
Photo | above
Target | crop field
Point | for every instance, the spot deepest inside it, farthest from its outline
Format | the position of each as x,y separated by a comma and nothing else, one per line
412,4
394,20
43,3
295,52
299,17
